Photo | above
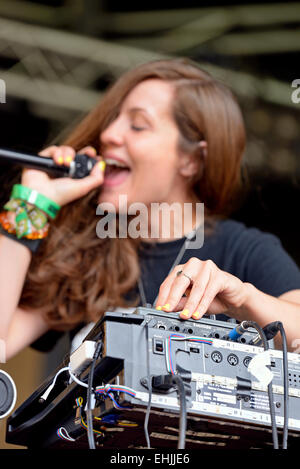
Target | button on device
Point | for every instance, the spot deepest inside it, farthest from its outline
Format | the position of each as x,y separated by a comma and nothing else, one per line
158,345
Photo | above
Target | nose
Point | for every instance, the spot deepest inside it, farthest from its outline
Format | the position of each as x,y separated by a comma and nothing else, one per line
113,134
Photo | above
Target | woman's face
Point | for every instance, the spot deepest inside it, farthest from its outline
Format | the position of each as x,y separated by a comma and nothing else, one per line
144,138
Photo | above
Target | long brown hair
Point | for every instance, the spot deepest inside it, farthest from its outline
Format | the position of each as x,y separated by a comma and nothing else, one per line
76,276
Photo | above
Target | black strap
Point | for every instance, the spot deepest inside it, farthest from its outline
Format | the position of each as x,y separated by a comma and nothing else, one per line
32,244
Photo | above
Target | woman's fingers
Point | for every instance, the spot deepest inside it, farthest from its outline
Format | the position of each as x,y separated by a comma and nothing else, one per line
164,290
67,154
65,190
81,187
64,154
191,288
48,151
198,289
183,280
212,289
89,150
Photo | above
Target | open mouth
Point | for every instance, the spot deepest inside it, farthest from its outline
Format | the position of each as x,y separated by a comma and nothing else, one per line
115,172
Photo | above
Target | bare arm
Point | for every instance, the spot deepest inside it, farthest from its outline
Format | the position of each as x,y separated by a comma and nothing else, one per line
25,328
215,291
15,260
18,328
264,309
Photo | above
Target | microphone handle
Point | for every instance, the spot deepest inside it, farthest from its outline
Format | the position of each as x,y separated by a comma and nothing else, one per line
80,167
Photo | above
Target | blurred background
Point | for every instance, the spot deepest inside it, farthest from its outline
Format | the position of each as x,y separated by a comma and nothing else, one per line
57,57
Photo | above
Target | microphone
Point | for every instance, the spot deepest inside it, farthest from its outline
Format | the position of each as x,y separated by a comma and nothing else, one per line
80,167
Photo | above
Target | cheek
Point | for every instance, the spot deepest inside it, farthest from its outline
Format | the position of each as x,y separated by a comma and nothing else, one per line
155,174
158,162
154,164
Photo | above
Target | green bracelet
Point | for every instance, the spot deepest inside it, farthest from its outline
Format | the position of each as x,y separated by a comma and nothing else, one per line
33,197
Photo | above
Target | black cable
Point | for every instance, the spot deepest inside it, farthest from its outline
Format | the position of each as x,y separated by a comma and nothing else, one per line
149,379
182,419
164,383
270,332
89,415
270,388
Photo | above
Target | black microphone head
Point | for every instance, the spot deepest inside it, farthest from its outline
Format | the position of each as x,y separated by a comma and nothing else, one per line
82,165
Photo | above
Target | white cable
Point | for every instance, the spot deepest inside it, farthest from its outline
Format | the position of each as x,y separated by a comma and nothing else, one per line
49,389
64,434
108,386
81,383
167,356
74,378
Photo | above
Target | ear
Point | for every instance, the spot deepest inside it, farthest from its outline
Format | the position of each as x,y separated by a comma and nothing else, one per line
190,163
203,146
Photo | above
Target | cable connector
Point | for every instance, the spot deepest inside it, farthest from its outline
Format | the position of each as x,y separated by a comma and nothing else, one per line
163,382
83,355
236,333
270,332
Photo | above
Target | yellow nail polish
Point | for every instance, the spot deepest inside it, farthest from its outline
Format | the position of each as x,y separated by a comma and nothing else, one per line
185,313
68,159
159,308
167,306
102,165
60,160
196,315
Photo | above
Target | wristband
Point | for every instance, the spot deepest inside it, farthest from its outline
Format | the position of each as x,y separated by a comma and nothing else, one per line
33,197
32,244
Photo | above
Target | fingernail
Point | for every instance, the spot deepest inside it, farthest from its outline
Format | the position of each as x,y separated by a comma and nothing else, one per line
196,315
102,165
68,159
167,306
60,160
94,150
185,313
159,308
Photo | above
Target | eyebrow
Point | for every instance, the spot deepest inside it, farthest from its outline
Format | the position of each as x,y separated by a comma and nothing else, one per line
147,116
139,109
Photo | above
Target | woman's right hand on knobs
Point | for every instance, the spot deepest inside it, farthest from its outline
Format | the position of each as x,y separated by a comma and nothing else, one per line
64,190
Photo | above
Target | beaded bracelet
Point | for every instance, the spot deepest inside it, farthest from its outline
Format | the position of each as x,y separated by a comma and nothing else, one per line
24,220
22,225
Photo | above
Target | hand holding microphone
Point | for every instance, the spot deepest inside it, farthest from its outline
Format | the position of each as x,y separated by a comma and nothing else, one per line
26,216
63,190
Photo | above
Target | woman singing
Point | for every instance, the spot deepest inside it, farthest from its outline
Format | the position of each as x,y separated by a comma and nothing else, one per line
165,133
